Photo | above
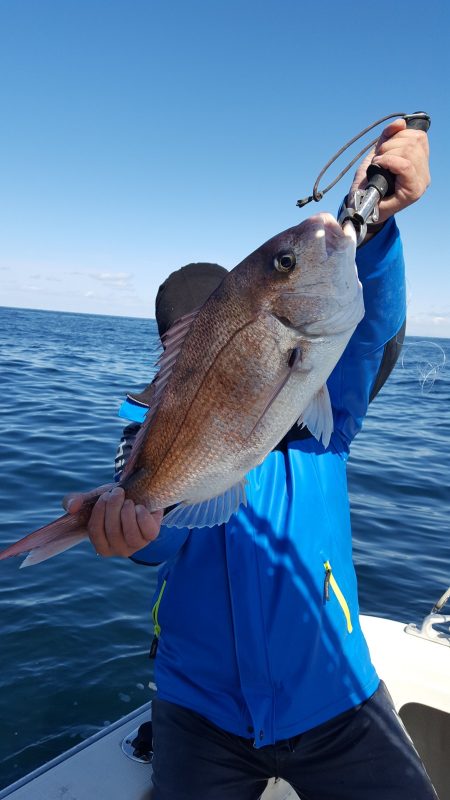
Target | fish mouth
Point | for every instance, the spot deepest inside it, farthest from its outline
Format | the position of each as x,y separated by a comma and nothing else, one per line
336,237
327,220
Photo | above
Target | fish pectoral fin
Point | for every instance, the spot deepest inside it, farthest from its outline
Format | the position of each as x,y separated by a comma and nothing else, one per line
294,359
318,416
52,549
208,513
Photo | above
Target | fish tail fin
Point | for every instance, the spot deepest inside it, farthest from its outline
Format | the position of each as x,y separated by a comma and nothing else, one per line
63,542
52,539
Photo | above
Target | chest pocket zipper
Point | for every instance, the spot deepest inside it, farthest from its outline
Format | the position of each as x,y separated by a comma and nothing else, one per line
331,582
156,625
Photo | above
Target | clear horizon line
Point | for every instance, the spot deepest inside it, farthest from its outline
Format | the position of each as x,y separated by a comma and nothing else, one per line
152,319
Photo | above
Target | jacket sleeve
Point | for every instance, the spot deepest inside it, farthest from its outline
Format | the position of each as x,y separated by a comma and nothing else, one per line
375,345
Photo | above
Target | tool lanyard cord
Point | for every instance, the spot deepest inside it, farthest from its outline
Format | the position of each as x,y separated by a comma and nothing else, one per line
316,195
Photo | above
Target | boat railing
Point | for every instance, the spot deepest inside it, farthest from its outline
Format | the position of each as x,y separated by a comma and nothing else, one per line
436,626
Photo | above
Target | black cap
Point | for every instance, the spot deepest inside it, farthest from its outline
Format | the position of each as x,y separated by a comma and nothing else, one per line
185,290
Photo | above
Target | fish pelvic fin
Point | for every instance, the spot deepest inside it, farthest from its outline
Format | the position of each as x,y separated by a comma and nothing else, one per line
318,416
54,538
208,513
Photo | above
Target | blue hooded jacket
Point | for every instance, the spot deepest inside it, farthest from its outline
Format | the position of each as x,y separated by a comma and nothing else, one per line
257,620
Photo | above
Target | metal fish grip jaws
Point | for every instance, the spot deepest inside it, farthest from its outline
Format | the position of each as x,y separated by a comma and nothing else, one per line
361,209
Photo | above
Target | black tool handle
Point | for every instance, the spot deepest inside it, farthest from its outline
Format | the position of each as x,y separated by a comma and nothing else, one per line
419,121
382,179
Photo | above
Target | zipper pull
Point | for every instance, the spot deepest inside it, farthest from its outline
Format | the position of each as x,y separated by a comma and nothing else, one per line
153,647
326,584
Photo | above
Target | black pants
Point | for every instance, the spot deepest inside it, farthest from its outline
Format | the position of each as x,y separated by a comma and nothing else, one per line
362,754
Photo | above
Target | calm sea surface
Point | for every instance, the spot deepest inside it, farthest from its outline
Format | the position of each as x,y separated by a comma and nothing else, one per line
75,631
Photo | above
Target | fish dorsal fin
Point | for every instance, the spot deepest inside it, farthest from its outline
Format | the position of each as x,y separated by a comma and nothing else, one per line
208,513
318,416
145,397
173,341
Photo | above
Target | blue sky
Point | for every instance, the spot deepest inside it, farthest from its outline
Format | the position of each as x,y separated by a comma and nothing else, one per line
138,136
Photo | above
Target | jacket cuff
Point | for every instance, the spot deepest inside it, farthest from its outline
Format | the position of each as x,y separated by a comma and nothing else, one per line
165,546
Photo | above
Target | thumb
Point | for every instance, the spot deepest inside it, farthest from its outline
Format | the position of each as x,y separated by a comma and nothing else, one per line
72,502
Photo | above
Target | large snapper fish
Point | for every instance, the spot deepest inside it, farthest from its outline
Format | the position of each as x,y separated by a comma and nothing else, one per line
234,377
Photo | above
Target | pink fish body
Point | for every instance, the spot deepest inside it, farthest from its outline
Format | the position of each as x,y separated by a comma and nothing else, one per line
234,378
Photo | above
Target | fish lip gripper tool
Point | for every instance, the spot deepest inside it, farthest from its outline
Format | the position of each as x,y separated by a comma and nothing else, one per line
362,209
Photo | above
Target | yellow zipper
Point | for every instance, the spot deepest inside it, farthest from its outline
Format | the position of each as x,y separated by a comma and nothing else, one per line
155,609
330,580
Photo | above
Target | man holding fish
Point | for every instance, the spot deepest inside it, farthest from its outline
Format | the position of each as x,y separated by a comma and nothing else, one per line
261,666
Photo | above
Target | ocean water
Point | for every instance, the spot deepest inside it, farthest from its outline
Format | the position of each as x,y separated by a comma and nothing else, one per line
75,631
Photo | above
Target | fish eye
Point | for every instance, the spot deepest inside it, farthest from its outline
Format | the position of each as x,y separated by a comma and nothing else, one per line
284,262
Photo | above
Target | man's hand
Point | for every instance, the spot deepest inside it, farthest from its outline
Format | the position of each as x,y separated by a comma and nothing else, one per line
117,527
404,151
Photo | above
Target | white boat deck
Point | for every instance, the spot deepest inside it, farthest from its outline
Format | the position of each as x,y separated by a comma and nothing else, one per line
95,769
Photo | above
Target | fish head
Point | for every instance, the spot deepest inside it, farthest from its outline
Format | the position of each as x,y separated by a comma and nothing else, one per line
307,277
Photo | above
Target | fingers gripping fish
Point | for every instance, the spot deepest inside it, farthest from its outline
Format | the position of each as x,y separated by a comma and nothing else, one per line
234,377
